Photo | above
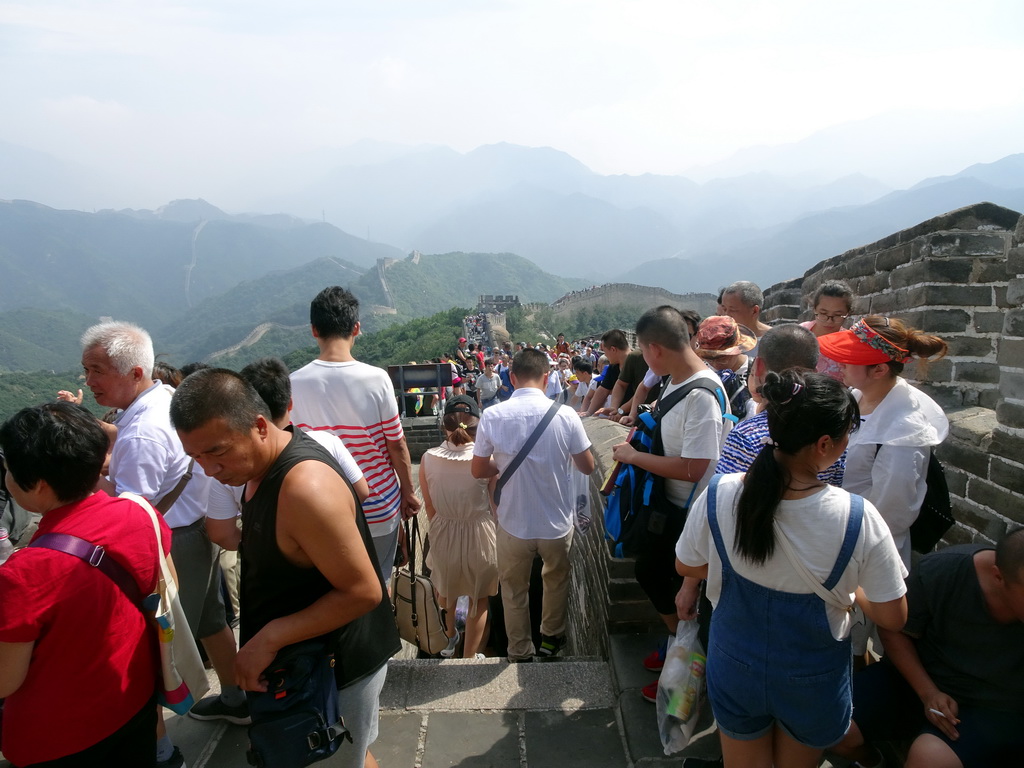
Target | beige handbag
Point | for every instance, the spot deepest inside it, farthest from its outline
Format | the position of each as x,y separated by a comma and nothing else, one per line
420,619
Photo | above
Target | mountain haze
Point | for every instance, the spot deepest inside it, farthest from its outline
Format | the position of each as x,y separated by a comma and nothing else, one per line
776,253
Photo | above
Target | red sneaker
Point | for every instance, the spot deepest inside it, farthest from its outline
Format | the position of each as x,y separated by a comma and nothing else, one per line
650,692
655,659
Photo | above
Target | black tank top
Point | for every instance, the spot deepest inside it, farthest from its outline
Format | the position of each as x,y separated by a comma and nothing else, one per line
272,587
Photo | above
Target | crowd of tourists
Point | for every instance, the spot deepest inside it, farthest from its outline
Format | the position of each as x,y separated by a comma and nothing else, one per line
767,490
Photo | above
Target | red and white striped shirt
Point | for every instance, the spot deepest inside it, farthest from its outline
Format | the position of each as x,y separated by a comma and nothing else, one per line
356,402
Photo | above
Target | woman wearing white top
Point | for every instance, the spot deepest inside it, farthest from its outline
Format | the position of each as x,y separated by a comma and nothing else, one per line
887,460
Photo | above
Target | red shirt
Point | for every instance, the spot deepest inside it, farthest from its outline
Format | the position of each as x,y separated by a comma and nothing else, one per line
92,646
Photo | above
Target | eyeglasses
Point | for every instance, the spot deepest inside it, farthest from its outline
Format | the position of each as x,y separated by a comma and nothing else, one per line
825,318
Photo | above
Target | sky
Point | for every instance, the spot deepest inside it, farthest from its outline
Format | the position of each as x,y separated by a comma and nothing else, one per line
193,98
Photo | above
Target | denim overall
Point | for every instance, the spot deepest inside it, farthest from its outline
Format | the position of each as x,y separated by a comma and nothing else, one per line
772,657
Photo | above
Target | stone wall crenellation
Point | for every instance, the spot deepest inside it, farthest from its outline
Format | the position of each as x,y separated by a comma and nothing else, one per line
959,276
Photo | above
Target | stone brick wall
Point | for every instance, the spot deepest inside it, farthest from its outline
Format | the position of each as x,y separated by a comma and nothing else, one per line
959,276
604,597
613,294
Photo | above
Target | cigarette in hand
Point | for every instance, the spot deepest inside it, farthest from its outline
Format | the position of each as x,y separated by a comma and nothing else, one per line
936,712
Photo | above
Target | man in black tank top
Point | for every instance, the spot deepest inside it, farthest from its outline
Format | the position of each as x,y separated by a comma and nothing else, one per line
308,564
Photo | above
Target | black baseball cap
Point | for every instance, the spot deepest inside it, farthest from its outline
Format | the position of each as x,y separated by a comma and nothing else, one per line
461,404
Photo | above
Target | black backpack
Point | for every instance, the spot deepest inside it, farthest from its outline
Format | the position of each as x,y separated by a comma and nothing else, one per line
639,508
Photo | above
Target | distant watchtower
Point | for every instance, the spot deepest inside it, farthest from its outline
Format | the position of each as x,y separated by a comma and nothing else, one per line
489,303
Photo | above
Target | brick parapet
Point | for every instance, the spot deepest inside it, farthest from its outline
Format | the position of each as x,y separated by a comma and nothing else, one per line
959,276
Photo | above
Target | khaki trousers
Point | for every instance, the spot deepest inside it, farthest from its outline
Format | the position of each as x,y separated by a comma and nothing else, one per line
515,561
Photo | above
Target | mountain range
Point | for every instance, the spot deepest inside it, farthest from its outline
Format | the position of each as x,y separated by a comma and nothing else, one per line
668,230
205,282
498,219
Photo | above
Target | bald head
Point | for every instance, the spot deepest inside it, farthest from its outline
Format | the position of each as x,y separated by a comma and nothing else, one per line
788,346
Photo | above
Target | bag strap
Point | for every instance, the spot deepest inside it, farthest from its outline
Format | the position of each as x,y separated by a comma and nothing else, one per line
165,571
853,527
412,537
96,556
527,446
168,501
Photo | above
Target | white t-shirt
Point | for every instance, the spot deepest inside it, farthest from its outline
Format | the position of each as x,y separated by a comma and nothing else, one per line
148,459
226,500
815,526
356,402
693,429
488,386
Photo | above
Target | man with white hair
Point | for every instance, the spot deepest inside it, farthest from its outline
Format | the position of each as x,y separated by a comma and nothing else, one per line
148,459
743,302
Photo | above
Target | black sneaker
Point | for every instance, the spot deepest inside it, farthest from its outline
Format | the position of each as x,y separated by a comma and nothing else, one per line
176,760
550,645
214,708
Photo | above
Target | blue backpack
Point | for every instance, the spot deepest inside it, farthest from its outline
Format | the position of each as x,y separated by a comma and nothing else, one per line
638,507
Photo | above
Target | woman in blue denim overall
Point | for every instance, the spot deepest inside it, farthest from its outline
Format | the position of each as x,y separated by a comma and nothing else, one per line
785,556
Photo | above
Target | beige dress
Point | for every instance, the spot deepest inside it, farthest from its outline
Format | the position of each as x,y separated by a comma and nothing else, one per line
463,553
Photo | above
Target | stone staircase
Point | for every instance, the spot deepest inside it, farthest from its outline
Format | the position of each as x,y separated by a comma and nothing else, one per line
629,609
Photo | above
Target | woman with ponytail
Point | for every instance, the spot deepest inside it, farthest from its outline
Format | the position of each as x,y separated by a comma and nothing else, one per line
887,462
785,557
463,553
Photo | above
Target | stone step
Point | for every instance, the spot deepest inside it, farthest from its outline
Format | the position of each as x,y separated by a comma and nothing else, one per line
632,627
568,684
621,567
632,610
624,590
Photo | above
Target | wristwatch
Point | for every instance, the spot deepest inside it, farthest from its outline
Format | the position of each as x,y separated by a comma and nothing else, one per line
620,412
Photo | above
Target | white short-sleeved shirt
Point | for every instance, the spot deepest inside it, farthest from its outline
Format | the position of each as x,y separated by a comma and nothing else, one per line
815,525
693,429
356,402
537,501
147,458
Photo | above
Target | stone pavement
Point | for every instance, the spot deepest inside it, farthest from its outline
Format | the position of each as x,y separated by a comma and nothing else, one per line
487,713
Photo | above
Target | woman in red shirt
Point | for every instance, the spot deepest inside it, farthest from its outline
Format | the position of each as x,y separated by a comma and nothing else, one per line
67,631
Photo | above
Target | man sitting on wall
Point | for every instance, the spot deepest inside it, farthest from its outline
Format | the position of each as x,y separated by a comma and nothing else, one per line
953,679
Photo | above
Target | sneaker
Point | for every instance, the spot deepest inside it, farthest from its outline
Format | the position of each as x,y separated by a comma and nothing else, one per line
656,659
176,760
550,645
213,708
650,692
453,644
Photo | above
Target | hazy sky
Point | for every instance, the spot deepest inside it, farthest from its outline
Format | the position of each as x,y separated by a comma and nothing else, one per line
188,94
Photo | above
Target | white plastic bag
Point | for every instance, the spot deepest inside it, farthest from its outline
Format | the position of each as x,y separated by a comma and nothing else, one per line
581,500
681,688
